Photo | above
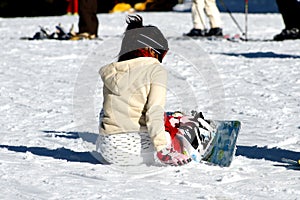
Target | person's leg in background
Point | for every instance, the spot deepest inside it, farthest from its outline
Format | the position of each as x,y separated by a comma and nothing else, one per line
214,17
75,7
88,21
198,17
290,12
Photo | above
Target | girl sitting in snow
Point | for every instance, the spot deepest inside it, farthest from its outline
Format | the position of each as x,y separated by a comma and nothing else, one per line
132,127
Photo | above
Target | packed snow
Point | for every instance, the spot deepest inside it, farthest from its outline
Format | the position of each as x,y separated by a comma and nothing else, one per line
51,95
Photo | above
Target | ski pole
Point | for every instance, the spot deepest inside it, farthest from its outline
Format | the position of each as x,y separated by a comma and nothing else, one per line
246,20
230,13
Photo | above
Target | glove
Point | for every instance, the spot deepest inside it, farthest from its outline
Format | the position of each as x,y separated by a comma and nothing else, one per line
171,157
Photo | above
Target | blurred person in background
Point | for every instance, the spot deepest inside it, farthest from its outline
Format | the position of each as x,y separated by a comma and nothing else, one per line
201,9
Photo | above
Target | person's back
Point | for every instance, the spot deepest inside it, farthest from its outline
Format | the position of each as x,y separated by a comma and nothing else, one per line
126,89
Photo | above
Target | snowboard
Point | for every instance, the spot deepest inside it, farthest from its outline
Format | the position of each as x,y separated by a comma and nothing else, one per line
209,141
222,148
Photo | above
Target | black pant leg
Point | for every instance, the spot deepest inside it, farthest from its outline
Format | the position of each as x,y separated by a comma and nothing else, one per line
88,21
290,11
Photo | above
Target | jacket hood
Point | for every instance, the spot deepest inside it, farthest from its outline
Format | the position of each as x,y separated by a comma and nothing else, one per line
118,76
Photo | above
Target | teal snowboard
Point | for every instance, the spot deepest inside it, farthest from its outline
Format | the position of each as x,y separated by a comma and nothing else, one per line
222,148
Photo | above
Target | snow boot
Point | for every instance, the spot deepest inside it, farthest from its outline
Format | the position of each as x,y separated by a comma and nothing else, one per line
288,34
196,33
215,32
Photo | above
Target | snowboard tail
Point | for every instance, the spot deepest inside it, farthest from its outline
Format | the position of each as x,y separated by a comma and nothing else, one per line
222,148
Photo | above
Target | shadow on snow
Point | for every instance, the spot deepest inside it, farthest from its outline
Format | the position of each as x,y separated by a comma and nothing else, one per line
252,152
272,154
63,153
262,55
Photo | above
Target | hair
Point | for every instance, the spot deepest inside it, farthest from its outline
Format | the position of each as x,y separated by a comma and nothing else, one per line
138,37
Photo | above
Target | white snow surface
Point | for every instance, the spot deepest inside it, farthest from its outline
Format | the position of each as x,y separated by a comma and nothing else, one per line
51,95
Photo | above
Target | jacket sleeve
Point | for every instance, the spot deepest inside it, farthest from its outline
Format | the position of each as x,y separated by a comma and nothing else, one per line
155,108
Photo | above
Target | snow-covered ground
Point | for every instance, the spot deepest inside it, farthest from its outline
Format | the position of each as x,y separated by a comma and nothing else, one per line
51,95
